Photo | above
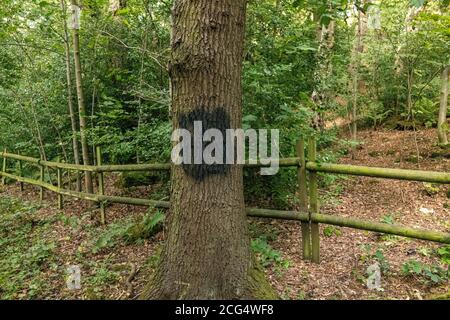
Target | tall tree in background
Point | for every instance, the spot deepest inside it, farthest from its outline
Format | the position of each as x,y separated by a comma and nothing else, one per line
80,94
322,74
442,122
73,121
357,50
206,253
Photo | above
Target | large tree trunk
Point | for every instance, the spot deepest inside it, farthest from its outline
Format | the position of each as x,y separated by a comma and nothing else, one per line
206,253
442,121
81,105
73,121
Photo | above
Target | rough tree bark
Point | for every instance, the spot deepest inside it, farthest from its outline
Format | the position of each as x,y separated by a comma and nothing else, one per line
73,120
442,121
81,105
206,254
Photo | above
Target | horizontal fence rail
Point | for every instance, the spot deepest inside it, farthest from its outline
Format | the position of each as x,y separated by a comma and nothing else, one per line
50,164
309,215
375,172
287,162
386,173
398,230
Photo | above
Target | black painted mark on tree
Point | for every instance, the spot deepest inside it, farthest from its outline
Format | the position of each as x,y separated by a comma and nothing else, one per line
217,119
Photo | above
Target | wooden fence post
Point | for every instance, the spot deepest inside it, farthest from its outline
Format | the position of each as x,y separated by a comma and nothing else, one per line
4,168
101,186
303,197
41,179
313,201
60,197
21,174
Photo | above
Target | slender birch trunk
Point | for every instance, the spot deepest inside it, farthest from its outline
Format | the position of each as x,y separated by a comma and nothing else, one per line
73,120
442,121
81,104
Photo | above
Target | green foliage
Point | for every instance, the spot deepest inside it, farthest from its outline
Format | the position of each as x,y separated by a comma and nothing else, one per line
135,179
154,259
429,274
425,112
71,221
388,219
128,231
417,3
262,235
444,254
145,229
431,189
369,255
268,257
376,113
24,253
110,237
330,231
101,275
384,263
275,191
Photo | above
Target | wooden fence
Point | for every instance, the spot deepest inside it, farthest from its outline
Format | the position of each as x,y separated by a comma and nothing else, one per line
309,214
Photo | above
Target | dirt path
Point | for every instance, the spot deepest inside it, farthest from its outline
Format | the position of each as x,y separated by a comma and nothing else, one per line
345,253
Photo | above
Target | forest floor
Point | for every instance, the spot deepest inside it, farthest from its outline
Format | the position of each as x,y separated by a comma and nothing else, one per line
39,242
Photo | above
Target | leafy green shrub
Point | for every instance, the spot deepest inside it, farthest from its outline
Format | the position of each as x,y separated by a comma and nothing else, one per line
388,219
270,191
377,256
110,237
39,253
426,273
24,253
136,179
149,226
330,231
384,263
425,112
267,255
376,113
129,231
444,254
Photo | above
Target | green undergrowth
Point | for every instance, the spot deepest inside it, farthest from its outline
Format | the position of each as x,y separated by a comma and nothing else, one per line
430,273
32,267
128,231
268,257
25,252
